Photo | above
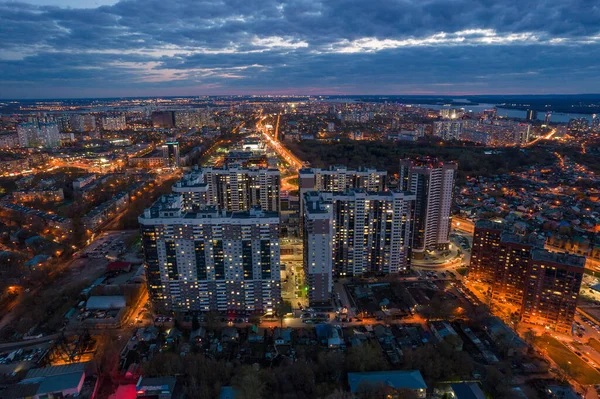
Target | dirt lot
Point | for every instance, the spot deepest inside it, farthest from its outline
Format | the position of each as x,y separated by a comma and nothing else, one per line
47,303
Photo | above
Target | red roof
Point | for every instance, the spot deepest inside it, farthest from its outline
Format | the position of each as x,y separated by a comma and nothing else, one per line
119,265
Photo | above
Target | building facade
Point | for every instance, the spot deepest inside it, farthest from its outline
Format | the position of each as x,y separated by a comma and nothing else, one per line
171,153
114,122
211,259
432,182
541,286
353,233
553,284
231,189
448,129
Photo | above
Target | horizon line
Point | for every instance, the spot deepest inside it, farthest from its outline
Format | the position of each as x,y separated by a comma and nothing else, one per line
428,95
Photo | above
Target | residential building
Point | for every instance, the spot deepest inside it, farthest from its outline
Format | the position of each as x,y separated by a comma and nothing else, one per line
352,233
211,259
150,160
114,122
553,284
164,119
105,212
83,122
231,189
45,195
27,133
171,153
49,135
83,181
34,134
394,380
338,179
9,140
432,182
486,240
448,129
157,388
541,286
531,115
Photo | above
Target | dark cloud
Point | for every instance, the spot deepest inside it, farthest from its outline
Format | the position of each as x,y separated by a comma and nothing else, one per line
347,46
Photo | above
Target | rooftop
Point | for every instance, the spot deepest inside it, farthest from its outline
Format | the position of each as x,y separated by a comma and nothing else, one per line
558,257
397,379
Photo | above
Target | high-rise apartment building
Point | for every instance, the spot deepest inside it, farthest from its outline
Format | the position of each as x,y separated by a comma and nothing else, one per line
189,119
28,134
553,284
211,259
231,189
49,135
484,252
542,286
164,119
339,179
171,153
34,134
432,182
83,122
531,115
114,122
448,129
352,233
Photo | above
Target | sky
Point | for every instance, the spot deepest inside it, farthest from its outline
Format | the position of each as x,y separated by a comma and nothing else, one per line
112,48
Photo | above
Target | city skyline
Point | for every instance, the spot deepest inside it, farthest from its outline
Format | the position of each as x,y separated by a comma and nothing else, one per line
50,49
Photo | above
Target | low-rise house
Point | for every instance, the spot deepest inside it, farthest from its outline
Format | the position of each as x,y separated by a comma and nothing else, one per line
256,334
467,390
282,336
396,380
229,334
443,331
197,336
157,388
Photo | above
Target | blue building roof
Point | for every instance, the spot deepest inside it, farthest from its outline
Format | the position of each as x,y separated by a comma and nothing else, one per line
228,393
397,379
36,260
59,383
467,390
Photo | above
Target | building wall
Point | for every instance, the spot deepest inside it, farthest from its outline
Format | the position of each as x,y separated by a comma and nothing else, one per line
353,233
211,261
433,184
231,189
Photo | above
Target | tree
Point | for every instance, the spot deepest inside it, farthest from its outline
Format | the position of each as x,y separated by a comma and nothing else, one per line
365,357
331,364
195,323
438,308
339,394
530,336
249,383
108,354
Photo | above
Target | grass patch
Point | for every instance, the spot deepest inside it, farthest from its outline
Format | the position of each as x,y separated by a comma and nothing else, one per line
567,360
462,270
594,344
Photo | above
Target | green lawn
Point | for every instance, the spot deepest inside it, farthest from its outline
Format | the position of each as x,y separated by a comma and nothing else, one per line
462,270
594,344
566,359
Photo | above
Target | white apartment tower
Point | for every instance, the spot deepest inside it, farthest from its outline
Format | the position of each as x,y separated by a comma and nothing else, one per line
211,259
352,233
232,189
432,182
